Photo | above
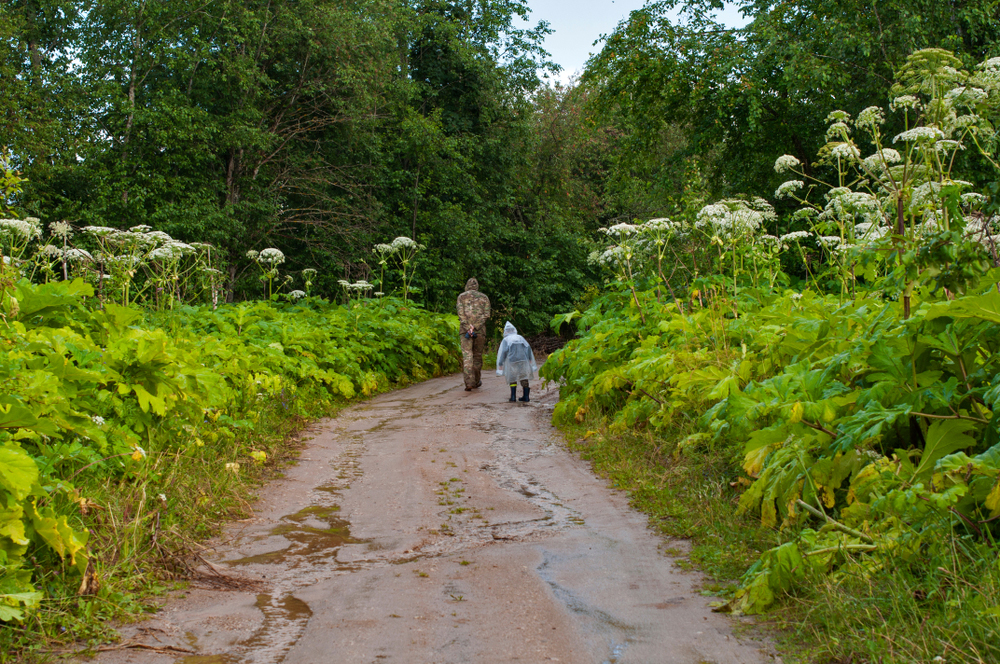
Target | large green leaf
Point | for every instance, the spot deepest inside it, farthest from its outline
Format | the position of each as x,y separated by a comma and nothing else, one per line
943,438
985,307
18,472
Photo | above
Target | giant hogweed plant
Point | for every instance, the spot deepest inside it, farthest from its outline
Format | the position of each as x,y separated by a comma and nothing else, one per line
864,416
128,399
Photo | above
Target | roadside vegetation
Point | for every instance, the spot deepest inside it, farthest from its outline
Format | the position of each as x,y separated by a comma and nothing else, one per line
851,410
777,245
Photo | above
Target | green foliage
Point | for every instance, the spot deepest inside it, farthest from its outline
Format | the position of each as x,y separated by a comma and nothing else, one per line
119,397
858,410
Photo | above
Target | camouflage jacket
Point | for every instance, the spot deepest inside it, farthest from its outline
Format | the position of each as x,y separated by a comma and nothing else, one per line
473,307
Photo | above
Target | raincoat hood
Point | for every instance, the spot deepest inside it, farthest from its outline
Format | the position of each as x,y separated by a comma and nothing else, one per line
509,329
472,284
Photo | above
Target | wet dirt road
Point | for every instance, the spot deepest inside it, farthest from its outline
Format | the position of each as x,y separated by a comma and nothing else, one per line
437,525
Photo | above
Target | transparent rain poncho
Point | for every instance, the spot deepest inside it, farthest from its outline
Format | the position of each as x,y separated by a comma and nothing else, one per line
515,361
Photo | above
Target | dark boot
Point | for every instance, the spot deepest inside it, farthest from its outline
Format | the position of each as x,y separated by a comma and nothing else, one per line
513,393
527,391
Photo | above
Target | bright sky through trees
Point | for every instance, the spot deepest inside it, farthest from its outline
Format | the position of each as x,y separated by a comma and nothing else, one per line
579,23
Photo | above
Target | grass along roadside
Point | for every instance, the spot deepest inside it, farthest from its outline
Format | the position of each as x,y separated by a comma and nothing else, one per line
851,617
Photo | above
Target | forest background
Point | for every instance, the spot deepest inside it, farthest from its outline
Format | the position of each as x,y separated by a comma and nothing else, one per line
318,129
322,127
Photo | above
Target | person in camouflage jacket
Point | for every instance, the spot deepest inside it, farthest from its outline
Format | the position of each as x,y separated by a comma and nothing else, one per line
473,312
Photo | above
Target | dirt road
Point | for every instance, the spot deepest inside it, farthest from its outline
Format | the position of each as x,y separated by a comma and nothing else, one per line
438,525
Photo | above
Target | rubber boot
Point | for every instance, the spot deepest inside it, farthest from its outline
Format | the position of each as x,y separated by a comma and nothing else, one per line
513,393
525,398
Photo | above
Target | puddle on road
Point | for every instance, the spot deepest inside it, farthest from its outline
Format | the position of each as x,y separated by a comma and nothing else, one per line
315,535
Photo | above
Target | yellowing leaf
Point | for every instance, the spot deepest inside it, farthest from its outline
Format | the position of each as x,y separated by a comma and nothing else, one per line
753,462
796,414
993,500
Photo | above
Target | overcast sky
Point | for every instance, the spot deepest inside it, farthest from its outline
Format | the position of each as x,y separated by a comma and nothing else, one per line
579,23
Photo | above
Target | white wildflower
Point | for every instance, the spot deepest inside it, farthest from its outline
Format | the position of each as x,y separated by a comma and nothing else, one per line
61,229
51,251
99,231
871,117
920,134
906,101
788,188
804,213
846,151
403,242
98,420
23,229
837,130
734,218
272,256
383,249
967,96
881,158
828,241
141,228
253,254
972,199
74,255
308,273
158,237
948,146
786,162
621,230
838,116
297,294
795,236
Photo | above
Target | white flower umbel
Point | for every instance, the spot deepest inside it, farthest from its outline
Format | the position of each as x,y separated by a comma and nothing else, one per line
837,130
838,116
794,236
74,255
881,158
789,188
946,146
253,254
828,241
141,228
870,118
735,218
967,96
297,294
786,162
61,230
905,101
846,152
621,230
920,135
403,242
99,231
20,230
272,256
973,199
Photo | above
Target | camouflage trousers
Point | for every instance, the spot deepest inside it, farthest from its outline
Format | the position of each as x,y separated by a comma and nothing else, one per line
472,359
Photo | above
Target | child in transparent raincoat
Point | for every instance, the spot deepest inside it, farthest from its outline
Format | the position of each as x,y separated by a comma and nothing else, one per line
515,361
